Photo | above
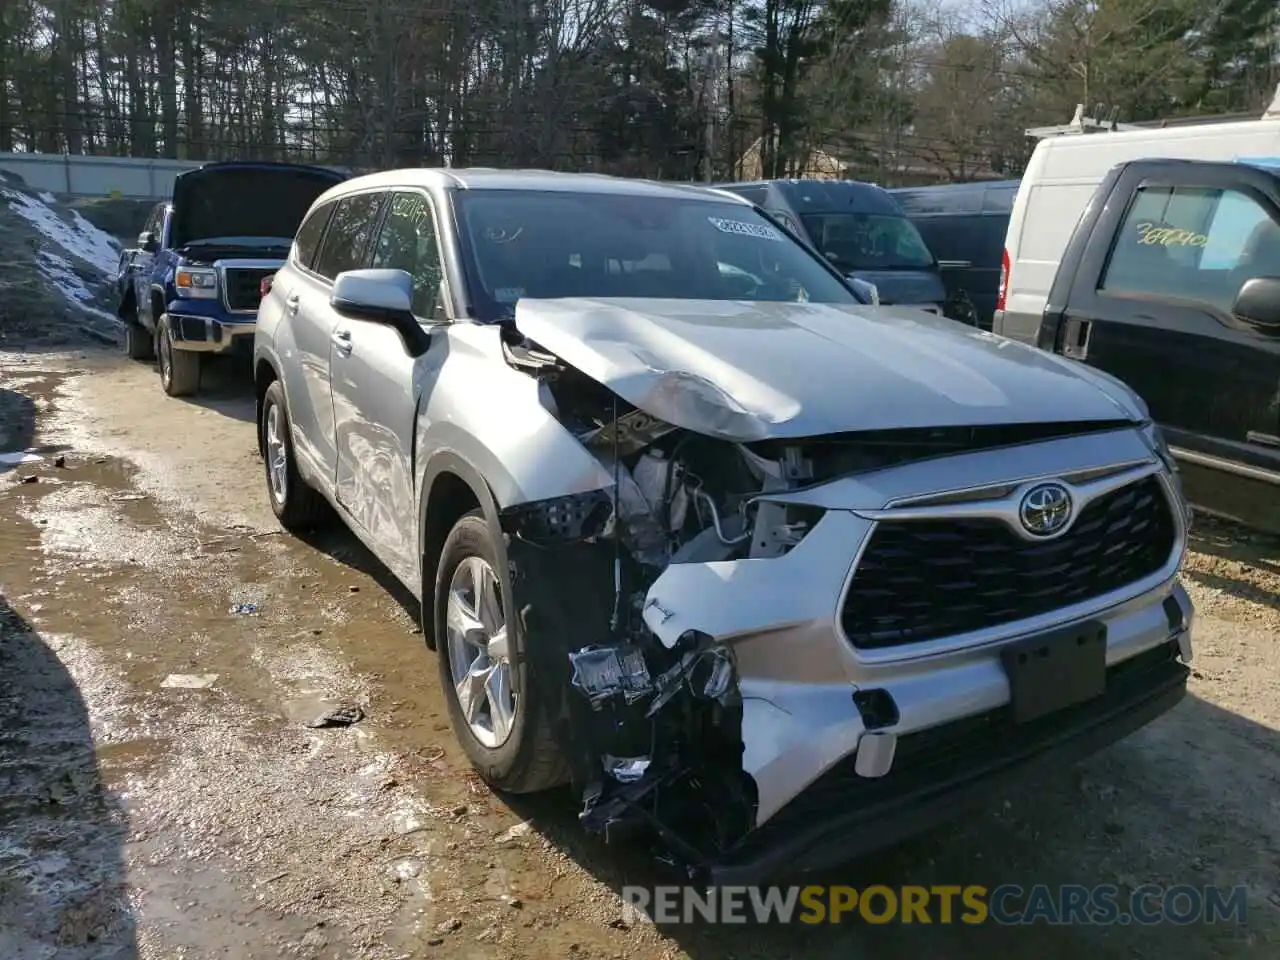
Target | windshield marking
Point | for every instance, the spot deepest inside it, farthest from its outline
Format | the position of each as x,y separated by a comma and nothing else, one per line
744,229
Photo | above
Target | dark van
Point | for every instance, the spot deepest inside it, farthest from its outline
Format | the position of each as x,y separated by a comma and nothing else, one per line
964,225
860,229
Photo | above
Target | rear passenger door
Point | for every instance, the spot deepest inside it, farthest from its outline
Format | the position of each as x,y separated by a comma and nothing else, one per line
345,246
1152,304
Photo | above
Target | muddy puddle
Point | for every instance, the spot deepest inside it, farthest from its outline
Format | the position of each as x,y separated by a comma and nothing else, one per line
167,787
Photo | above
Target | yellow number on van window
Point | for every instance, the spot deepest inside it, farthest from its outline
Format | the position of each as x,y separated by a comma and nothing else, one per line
1160,235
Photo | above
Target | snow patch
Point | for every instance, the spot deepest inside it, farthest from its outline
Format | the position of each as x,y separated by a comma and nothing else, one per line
77,237
47,197
59,271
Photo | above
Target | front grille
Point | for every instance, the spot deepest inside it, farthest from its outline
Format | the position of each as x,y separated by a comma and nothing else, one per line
921,580
243,286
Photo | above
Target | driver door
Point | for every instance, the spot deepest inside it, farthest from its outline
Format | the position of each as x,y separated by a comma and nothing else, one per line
379,389
144,265
1152,304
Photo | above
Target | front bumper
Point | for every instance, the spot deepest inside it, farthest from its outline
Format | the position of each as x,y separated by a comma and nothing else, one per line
800,676
941,772
205,334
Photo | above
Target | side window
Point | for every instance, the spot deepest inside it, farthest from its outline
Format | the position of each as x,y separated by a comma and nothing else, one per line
307,241
1193,243
1235,223
155,221
408,242
347,239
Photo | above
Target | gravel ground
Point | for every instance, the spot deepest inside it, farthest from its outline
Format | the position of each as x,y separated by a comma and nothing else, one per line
162,794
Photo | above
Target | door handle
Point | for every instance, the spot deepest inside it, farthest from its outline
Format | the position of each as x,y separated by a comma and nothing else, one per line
342,342
291,302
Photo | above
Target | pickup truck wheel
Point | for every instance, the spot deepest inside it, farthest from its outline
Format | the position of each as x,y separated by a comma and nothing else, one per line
179,369
138,343
506,736
295,504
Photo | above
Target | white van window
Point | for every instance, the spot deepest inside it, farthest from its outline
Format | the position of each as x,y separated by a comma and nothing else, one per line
1192,243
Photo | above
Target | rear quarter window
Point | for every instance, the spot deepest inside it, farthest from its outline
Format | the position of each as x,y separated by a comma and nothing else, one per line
307,242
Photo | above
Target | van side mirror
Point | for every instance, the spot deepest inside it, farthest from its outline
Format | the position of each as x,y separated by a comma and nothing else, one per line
865,289
381,296
147,242
1258,303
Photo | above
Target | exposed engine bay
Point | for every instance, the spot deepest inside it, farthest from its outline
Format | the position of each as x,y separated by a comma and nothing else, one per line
654,726
655,732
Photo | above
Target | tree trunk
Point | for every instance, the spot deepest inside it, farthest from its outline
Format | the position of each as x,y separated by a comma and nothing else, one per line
167,70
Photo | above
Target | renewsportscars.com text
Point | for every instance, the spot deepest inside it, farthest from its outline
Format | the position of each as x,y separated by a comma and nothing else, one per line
1008,904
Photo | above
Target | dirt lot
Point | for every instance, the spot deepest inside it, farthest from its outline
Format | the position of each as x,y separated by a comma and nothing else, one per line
146,819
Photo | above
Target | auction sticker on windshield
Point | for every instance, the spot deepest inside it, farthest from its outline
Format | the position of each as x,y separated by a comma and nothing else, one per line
745,229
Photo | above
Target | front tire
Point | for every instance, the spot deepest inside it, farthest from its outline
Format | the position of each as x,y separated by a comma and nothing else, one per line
295,504
506,736
179,369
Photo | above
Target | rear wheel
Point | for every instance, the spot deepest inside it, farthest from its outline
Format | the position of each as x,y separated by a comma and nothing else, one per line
506,735
295,504
138,342
179,369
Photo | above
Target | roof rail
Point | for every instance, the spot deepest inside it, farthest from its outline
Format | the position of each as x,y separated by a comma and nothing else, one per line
1081,124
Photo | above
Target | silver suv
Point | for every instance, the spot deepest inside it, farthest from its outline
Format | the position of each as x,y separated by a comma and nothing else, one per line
771,576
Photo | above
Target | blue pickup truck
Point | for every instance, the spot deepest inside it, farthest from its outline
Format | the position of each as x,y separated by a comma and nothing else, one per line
192,285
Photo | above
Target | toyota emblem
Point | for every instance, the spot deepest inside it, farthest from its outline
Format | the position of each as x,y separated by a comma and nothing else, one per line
1045,509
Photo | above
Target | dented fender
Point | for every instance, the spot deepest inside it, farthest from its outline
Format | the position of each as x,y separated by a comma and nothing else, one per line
506,434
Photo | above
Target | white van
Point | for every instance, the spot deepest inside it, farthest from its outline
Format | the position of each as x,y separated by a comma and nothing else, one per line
1061,178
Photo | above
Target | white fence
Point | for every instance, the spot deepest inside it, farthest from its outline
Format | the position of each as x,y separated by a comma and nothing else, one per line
84,176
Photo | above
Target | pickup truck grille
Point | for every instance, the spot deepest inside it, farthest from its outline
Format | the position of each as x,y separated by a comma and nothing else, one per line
242,287
922,580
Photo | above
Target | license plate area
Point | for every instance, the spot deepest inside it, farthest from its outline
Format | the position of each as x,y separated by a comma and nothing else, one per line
1052,671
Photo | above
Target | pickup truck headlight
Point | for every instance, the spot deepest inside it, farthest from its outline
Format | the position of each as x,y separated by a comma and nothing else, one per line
196,283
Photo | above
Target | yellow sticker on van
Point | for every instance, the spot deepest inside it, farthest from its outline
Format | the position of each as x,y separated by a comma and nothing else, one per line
1159,234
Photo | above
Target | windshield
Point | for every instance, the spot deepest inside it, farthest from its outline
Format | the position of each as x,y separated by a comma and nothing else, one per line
550,244
868,241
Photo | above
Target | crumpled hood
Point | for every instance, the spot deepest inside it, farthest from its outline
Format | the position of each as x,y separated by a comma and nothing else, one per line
753,371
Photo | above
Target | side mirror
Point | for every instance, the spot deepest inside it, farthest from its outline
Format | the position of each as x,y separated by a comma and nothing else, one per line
867,289
381,296
1258,303
147,242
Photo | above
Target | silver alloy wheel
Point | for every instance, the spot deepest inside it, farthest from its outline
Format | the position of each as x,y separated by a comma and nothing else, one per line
166,356
277,455
479,657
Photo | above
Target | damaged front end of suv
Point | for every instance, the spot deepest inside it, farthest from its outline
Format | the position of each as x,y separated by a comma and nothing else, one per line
773,647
